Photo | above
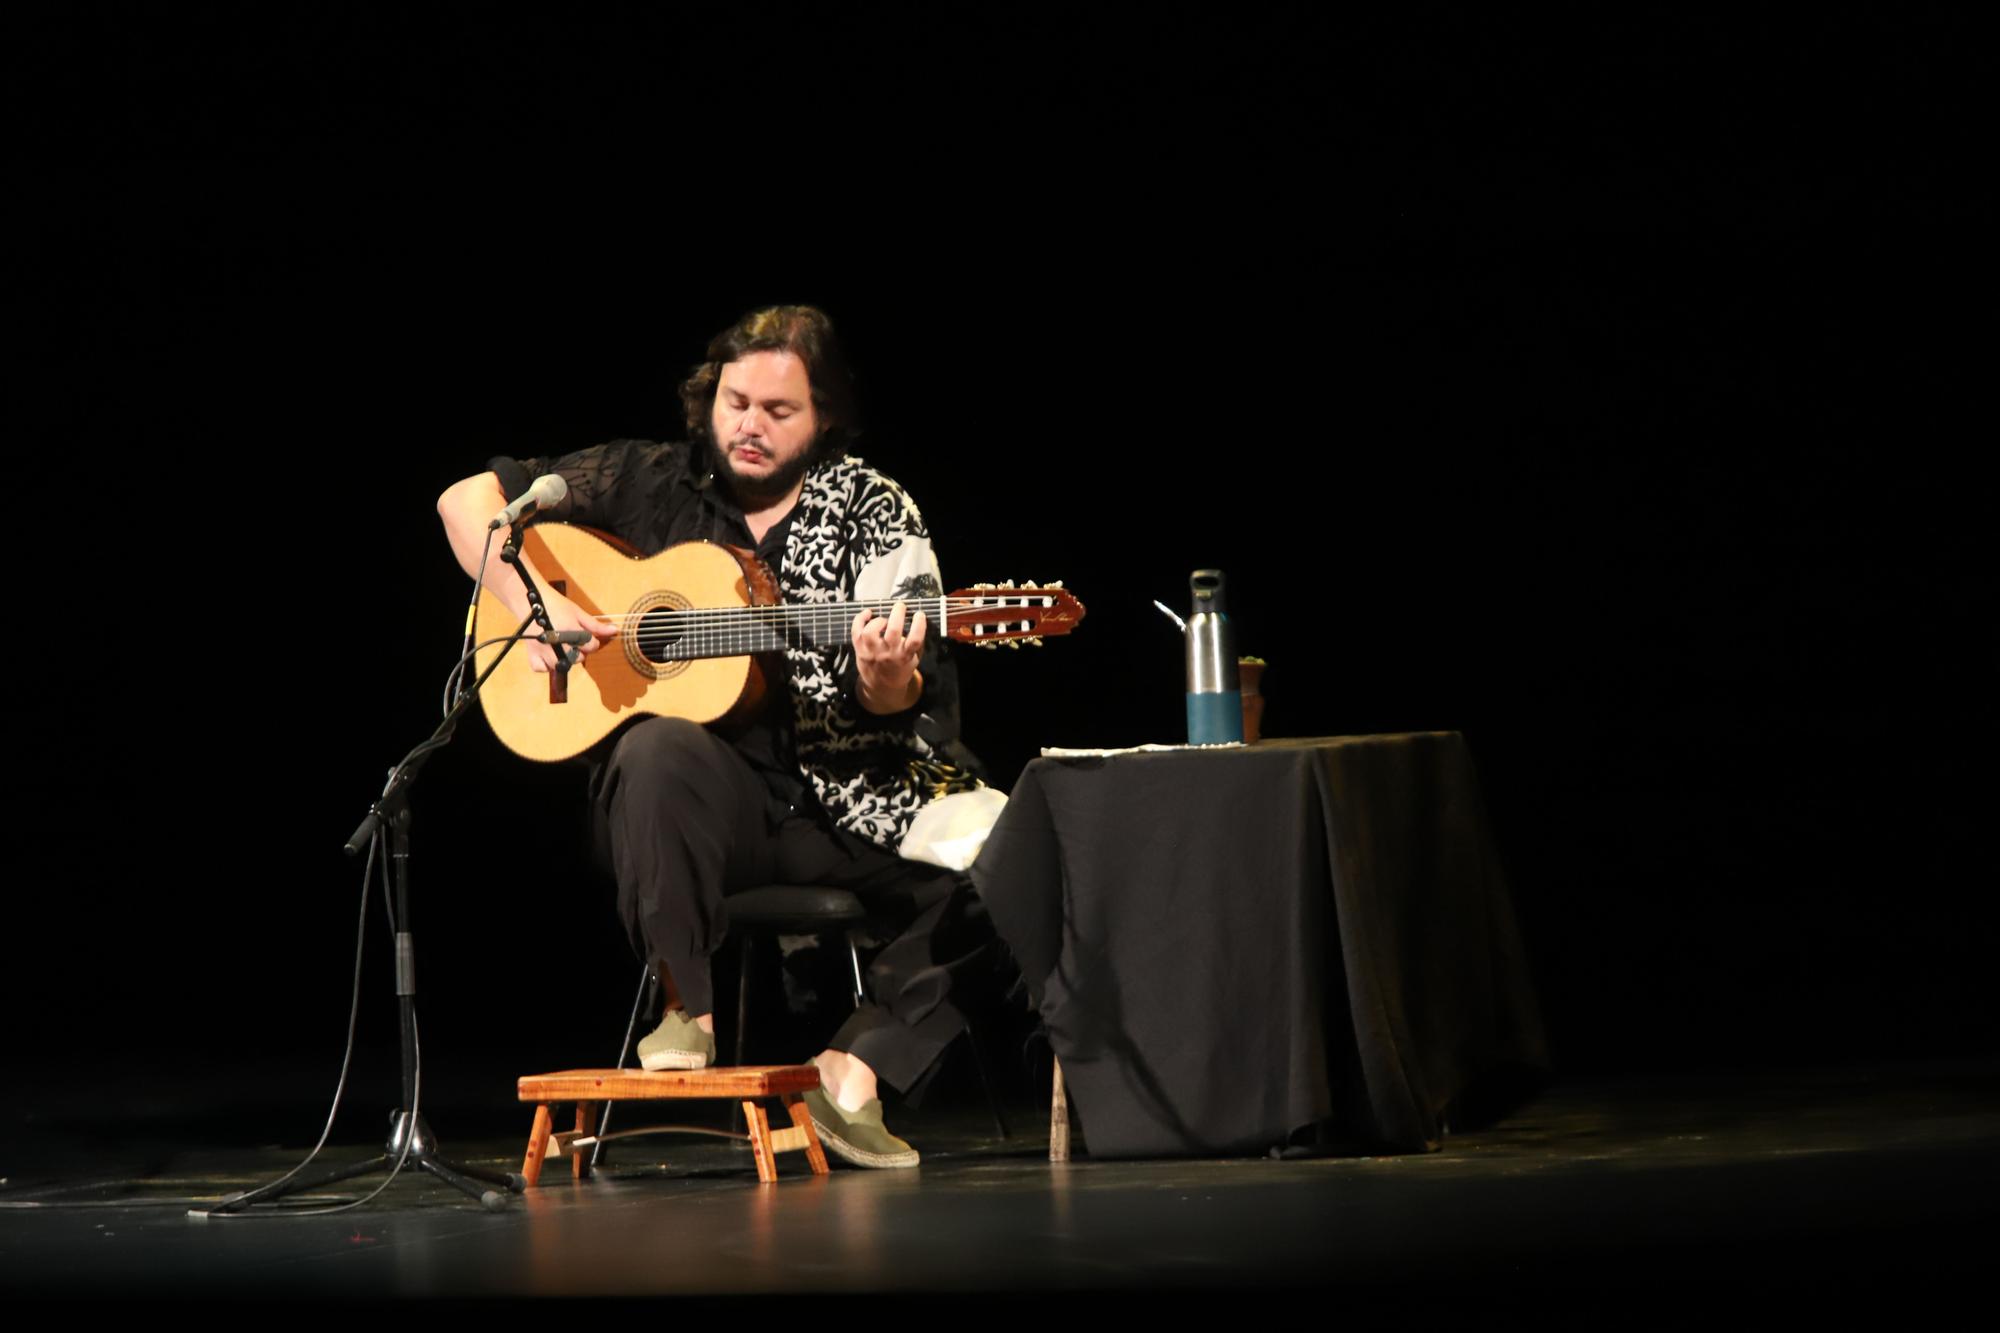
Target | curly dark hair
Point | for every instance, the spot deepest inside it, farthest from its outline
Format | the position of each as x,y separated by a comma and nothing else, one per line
806,333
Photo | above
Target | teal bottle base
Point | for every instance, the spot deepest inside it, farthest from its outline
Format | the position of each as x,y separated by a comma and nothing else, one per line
1215,719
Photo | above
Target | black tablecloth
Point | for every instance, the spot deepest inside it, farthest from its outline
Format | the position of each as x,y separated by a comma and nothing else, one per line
1230,945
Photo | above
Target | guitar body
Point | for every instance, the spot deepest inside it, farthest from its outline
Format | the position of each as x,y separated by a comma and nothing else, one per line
537,717
701,628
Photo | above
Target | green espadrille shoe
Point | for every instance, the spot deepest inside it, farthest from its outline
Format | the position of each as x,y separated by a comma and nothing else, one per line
677,1043
857,1136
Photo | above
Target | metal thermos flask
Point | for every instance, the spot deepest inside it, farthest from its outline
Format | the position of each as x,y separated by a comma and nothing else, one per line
1214,697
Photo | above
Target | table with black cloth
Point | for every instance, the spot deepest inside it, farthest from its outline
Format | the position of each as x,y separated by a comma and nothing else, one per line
1231,945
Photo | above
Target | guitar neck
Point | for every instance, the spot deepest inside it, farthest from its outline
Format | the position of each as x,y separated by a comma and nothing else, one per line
740,631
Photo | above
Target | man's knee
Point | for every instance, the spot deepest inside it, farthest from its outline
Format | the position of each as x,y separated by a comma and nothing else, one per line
662,752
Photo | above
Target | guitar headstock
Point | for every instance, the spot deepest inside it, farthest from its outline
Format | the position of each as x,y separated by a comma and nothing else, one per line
992,614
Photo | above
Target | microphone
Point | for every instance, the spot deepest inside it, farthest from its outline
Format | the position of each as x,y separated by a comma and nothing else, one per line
549,489
564,638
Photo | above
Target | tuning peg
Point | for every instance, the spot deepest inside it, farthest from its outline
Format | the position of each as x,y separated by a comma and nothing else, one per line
1033,640
1008,583
1054,583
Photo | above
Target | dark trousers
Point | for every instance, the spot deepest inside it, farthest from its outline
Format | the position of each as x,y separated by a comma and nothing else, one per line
687,822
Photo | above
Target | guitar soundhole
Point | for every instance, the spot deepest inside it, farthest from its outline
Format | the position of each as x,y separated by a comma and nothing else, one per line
652,645
659,634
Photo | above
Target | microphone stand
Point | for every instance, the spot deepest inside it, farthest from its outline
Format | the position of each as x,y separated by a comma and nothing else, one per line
410,1138
510,553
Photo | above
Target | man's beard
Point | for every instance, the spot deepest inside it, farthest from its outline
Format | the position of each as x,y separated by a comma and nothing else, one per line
750,490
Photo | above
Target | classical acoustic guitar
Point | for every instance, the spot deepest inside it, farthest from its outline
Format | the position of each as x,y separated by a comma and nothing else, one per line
693,623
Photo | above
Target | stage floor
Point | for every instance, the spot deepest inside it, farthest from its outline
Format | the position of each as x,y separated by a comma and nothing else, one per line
1800,1187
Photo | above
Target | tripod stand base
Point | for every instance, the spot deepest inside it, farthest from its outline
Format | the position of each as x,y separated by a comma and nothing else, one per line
422,1155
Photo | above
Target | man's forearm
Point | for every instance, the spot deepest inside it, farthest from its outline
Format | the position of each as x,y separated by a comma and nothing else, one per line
466,508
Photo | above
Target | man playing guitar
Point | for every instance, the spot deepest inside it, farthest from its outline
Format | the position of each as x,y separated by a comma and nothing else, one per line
821,784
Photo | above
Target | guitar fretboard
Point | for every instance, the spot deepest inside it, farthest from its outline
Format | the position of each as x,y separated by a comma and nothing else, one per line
667,635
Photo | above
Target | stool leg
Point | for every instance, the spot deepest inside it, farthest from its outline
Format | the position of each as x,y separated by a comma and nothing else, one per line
586,1125
1058,1118
538,1145
760,1142
742,995
742,1012
642,1002
802,1118
985,1083
854,961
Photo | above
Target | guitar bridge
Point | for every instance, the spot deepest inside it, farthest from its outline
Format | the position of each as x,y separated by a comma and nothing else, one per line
559,678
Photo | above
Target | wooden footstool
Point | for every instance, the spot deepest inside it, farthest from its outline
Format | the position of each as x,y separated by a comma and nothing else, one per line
591,1088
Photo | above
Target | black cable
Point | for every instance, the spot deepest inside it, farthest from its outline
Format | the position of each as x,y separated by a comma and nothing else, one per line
417,1067
438,740
457,671
471,626
353,1014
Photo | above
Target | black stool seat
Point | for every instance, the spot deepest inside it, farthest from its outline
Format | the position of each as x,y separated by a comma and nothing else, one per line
794,907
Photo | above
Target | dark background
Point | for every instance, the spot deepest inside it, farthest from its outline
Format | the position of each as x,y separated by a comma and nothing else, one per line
1603,389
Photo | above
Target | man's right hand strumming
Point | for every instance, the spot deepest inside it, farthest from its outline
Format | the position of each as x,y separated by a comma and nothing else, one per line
563,615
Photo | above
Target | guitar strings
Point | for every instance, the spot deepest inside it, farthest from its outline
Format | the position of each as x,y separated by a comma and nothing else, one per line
731,630
718,625
834,612
807,617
